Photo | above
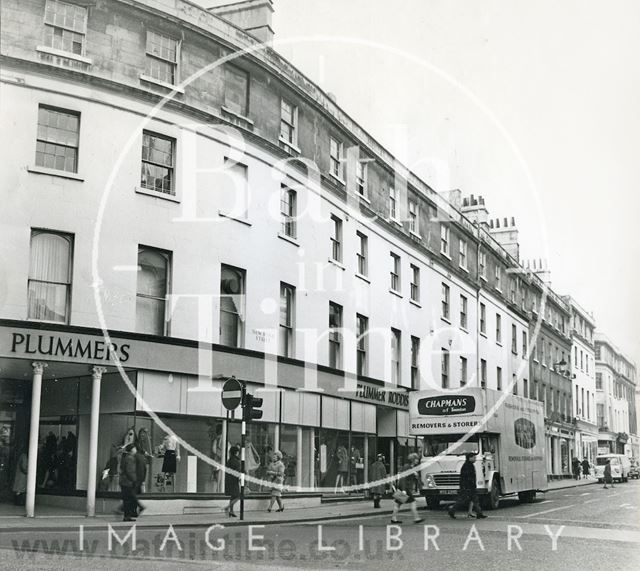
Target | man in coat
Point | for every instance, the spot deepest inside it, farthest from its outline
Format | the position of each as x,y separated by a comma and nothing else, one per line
608,477
376,473
468,489
128,482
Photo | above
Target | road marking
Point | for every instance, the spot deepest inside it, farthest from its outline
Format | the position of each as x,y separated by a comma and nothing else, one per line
547,502
586,494
547,511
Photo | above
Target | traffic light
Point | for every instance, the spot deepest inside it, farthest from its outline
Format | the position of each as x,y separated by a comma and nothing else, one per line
251,407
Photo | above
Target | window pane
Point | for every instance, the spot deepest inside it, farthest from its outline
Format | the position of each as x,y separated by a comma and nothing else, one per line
47,301
150,315
50,258
152,276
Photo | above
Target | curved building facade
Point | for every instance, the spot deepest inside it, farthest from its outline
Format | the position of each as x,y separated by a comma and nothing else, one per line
178,184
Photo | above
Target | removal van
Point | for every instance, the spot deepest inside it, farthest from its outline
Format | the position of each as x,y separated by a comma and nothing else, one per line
505,431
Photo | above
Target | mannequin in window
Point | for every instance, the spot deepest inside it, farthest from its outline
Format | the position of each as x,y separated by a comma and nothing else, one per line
342,457
171,454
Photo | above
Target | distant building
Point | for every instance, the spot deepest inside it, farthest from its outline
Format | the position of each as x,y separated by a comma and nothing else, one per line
583,369
616,399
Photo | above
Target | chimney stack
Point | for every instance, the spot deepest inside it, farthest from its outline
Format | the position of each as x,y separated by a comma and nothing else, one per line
475,210
253,16
505,232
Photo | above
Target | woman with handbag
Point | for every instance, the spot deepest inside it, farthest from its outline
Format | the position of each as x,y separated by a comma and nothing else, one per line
275,474
403,493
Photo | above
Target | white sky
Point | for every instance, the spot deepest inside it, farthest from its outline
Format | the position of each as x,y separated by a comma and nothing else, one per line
561,78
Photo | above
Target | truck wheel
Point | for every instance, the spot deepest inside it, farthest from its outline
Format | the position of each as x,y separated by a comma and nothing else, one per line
433,503
493,500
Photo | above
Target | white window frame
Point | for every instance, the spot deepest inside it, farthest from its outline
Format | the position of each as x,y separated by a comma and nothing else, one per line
288,211
287,329
395,273
336,239
445,239
393,204
155,56
464,306
289,129
361,178
68,283
362,254
396,352
415,283
462,248
414,217
336,158
446,302
63,27
362,345
335,335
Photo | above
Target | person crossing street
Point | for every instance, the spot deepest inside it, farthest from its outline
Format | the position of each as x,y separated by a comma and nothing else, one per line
468,490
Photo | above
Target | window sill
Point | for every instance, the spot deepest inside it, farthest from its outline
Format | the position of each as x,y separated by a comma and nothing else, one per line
55,172
395,292
337,179
445,255
234,218
156,194
499,344
62,53
289,146
446,320
483,334
363,198
289,239
415,235
363,278
164,84
394,221
464,329
416,303
337,263
464,269
483,278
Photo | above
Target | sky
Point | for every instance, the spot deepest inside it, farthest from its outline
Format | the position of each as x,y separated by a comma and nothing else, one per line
533,105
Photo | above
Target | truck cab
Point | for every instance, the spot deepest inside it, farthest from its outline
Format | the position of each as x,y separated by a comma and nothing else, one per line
443,457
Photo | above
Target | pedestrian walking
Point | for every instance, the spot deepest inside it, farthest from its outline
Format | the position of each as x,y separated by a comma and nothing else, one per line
585,467
275,475
405,488
608,478
231,481
128,482
141,477
20,480
468,490
575,465
377,473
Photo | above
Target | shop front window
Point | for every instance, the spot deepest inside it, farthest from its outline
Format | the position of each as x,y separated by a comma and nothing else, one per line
260,445
333,459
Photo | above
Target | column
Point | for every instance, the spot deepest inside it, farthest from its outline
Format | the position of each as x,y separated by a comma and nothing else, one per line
365,453
299,456
93,440
32,466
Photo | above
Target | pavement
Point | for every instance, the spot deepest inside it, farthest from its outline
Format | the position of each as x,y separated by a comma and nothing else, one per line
56,518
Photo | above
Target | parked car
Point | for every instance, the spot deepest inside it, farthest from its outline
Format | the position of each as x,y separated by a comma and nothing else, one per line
634,470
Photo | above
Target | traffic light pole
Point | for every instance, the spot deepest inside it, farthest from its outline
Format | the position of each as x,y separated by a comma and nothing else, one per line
243,442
